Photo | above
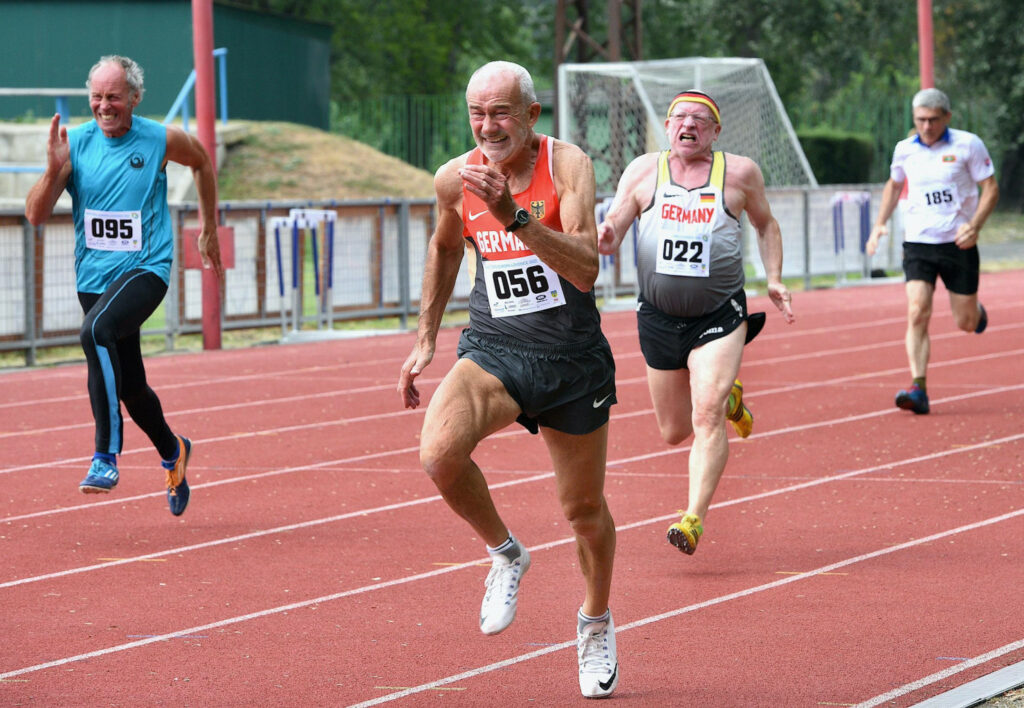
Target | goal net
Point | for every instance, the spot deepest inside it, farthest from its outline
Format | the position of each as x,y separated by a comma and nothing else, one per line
616,111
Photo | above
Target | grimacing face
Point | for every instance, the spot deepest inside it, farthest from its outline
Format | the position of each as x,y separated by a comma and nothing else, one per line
112,100
691,127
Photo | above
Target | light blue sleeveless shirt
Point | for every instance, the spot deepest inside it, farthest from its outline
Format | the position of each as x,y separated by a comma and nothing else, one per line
118,189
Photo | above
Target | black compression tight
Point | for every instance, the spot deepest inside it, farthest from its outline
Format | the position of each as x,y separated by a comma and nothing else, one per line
110,339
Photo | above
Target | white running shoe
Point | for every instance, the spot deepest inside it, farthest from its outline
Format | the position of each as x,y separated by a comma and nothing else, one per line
599,661
499,606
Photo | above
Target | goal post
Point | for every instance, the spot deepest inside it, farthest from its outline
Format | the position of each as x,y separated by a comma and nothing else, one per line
616,111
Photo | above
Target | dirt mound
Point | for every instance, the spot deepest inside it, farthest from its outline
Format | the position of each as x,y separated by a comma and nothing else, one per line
287,161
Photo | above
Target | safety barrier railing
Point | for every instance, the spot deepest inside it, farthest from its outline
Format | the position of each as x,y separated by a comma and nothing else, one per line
180,105
60,96
302,270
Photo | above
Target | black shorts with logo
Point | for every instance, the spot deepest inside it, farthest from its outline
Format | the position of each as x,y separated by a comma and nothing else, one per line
958,267
566,387
667,341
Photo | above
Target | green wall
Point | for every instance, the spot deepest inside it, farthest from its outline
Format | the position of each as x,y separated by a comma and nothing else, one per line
277,67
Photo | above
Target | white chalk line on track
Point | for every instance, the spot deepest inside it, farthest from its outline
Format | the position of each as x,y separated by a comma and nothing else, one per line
942,675
691,608
536,548
508,433
472,673
389,414
514,660
292,373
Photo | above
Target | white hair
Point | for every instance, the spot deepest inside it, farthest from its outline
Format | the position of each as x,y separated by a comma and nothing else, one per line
132,72
931,98
523,78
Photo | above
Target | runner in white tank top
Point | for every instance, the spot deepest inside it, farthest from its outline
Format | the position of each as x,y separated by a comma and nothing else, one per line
692,311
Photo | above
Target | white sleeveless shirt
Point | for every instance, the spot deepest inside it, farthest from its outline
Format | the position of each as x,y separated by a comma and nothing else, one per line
689,250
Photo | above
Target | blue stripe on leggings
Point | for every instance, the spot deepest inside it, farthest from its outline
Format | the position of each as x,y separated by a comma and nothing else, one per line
113,404
109,381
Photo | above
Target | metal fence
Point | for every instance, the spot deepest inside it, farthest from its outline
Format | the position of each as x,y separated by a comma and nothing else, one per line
310,271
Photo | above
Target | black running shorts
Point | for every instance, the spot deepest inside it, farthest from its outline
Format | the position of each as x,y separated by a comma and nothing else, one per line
565,387
958,267
667,341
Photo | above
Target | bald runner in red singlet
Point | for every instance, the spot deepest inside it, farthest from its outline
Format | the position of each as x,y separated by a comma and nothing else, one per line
533,351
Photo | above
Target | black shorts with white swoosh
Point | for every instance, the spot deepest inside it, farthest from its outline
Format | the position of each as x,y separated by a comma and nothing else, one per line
565,387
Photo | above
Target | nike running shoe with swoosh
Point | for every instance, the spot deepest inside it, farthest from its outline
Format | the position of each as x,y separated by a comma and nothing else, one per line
498,608
598,657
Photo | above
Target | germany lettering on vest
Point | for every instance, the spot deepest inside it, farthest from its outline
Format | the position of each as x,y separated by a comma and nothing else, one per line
498,242
702,215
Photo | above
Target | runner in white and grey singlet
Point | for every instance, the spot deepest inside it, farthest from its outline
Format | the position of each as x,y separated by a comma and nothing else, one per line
689,254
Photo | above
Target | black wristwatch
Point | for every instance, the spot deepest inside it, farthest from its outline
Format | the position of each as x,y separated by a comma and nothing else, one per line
519,219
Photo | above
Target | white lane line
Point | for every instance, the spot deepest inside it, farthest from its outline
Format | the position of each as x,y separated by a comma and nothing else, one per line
524,657
622,382
689,608
423,500
944,674
408,450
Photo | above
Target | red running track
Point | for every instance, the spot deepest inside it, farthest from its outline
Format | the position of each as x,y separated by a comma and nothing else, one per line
855,554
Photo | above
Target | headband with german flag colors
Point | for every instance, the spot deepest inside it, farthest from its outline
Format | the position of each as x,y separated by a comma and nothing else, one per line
696,97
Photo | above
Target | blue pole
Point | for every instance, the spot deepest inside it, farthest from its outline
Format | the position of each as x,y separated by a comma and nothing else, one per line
316,263
280,271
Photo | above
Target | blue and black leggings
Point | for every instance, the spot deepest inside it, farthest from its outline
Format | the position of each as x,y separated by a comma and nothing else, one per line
110,339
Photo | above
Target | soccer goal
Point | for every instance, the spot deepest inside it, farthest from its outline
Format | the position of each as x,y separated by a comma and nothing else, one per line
616,111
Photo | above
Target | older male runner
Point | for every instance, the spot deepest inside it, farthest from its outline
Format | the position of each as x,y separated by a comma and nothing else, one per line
692,310
114,167
943,219
534,351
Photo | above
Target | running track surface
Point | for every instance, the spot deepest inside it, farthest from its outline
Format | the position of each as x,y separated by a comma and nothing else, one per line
855,554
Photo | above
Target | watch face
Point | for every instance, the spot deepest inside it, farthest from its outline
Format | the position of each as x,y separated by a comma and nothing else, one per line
521,217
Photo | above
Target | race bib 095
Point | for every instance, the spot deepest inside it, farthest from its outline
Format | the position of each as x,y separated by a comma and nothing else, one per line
113,230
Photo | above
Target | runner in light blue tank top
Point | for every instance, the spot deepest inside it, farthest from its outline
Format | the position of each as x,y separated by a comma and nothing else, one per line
114,169
129,223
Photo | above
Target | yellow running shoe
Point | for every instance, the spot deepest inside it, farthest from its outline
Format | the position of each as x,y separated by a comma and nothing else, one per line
739,415
686,533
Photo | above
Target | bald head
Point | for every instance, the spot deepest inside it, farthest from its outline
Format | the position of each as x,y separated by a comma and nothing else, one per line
498,69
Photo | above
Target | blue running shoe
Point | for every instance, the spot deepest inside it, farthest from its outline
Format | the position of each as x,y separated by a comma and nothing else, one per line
913,399
177,486
102,477
982,321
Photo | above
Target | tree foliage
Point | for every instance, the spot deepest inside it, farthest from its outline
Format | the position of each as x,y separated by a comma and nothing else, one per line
838,63
983,57
391,47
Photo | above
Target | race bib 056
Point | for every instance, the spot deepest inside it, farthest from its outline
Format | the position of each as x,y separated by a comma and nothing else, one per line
520,285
